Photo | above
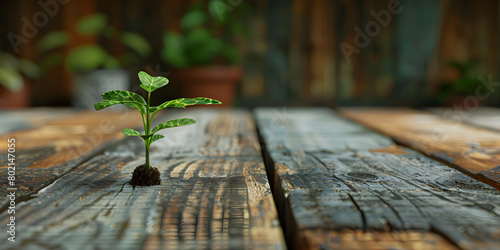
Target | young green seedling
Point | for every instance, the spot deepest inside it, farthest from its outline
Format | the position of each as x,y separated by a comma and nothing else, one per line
150,84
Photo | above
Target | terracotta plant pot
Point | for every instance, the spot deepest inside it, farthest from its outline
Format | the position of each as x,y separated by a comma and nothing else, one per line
15,100
218,82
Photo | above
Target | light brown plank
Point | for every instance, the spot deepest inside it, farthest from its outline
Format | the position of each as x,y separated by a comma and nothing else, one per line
485,117
208,199
473,150
359,240
45,153
332,177
14,120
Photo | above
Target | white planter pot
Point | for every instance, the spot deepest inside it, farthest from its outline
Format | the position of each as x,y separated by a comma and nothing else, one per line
88,87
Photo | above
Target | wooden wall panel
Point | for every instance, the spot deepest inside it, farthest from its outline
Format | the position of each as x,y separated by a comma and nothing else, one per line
312,47
469,30
294,53
350,76
252,48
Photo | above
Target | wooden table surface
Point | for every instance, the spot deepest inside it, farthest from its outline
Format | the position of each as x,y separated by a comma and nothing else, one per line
270,178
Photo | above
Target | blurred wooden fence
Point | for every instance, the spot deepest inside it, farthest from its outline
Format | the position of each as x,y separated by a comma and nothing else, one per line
404,60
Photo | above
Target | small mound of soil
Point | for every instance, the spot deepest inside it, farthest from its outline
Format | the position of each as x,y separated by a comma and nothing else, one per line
145,177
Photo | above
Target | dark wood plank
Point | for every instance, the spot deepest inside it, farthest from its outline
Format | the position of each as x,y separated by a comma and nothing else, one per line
470,149
45,153
276,61
334,177
208,199
418,21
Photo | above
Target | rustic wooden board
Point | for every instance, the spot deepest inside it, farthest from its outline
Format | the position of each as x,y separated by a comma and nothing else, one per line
470,149
325,184
14,120
359,240
485,117
205,200
51,150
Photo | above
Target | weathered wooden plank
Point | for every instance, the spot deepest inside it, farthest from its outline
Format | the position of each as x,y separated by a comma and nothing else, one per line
205,200
485,117
467,148
348,239
14,120
325,183
51,150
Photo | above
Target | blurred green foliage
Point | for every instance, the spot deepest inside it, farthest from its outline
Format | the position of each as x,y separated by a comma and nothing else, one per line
13,69
201,41
90,57
464,84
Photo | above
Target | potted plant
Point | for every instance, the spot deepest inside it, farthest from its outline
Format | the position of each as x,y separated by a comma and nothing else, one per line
145,174
14,89
463,82
96,70
203,62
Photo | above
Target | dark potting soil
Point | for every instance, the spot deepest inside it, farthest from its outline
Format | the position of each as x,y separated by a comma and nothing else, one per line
145,177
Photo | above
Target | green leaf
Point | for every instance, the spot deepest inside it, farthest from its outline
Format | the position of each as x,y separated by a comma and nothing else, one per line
173,123
131,132
130,99
193,19
136,43
150,83
202,47
173,51
183,102
53,40
86,58
11,79
156,137
93,24
28,68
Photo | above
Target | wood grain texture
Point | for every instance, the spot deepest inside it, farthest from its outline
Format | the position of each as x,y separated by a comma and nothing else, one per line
208,199
485,117
326,183
468,148
51,150
359,240
14,120
312,50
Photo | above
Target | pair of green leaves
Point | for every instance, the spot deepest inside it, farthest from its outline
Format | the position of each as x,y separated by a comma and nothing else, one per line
163,125
150,84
